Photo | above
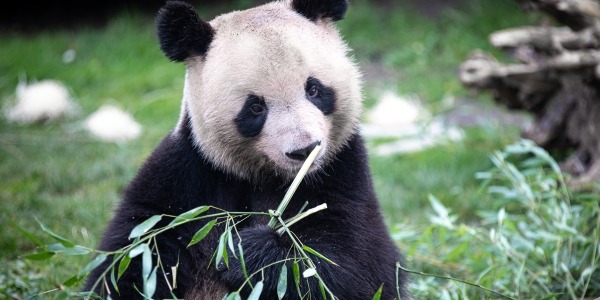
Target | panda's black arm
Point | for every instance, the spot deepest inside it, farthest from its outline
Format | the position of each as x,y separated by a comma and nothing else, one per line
351,232
363,262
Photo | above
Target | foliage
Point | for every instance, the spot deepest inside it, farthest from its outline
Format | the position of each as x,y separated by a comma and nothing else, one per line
17,281
535,239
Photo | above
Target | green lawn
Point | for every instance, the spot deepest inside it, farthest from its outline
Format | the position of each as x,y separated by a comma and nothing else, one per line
57,174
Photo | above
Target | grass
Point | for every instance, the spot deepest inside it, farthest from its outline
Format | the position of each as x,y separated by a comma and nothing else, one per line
58,174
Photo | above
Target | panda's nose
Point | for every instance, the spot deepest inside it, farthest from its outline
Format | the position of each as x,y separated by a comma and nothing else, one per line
302,154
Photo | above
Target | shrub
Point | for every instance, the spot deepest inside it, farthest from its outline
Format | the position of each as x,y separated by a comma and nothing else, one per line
536,240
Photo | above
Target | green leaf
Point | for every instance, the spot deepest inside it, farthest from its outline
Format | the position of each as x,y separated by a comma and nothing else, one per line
230,242
243,263
29,235
282,282
150,284
113,280
73,281
143,227
256,291
60,248
317,254
201,234
233,296
139,249
377,295
63,295
146,262
226,257
57,237
40,255
100,258
220,249
322,288
296,273
188,215
123,265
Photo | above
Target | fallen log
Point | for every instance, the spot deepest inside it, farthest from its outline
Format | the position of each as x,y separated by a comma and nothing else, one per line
556,78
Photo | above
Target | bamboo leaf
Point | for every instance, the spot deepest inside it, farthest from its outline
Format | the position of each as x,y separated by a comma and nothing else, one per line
29,235
282,282
188,215
233,296
57,237
139,249
377,295
230,242
146,262
100,258
201,234
113,280
60,248
226,257
256,291
220,249
62,296
243,263
150,284
40,255
322,288
143,227
317,254
123,265
73,281
310,272
296,273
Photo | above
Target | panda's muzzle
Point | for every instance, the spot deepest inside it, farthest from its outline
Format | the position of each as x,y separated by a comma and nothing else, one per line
302,154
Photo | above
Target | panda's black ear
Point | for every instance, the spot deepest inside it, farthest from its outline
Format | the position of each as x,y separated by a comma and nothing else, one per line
321,9
181,32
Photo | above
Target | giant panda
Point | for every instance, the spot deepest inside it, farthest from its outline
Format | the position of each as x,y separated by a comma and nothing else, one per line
263,87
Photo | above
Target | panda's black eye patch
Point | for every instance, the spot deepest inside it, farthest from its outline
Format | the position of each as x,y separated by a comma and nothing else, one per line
251,118
323,97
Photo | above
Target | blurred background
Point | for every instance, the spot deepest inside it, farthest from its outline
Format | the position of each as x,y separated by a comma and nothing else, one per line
427,135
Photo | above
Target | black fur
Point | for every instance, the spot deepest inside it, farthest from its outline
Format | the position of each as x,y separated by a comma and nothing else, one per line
249,121
325,98
320,9
181,32
176,178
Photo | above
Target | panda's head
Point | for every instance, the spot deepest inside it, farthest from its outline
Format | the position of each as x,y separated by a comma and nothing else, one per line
265,85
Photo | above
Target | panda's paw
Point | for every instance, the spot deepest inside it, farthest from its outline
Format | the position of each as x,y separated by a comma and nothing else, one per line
261,246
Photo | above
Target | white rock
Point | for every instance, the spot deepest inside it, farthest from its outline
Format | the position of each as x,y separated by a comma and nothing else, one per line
111,124
406,120
46,100
393,110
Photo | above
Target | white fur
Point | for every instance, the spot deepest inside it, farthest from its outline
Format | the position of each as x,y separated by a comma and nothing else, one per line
46,100
111,124
270,51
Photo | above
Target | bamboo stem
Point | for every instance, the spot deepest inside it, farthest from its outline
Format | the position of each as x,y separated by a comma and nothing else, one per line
297,180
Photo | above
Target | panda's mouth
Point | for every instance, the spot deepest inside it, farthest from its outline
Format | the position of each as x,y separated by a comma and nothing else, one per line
293,161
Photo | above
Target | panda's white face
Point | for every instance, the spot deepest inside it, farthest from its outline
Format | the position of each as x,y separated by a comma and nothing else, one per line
272,85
